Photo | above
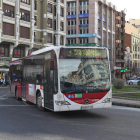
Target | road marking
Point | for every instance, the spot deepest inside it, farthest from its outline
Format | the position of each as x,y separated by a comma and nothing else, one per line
3,96
11,105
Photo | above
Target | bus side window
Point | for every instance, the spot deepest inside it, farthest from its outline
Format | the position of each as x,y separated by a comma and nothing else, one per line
16,73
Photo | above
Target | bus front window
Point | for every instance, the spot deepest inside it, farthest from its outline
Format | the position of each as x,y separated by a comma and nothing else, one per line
84,75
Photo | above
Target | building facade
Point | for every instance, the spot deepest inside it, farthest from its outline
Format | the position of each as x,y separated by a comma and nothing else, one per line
132,38
120,42
135,48
28,25
91,23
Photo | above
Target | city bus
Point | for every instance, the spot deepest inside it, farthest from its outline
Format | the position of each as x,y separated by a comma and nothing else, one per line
63,78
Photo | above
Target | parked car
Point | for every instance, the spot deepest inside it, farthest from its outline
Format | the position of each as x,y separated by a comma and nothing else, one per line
133,77
134,81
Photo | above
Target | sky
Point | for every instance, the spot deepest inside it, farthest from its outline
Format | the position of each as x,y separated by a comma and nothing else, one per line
132,7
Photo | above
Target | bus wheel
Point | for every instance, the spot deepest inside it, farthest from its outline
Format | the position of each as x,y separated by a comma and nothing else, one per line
39,101
17,94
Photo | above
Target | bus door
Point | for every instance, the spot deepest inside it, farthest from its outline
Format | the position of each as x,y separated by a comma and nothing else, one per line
49,84
23,84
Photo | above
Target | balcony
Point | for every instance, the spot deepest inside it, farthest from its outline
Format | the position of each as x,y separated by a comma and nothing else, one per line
121,53
9,19
118,21
123,24
123,17
117,45
99,18
38,40
123,31
117,13
118,37
120,45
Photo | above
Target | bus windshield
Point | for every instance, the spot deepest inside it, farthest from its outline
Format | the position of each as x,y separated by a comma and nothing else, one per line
88,74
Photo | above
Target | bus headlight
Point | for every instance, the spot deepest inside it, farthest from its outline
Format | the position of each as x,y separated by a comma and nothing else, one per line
107,100
62,103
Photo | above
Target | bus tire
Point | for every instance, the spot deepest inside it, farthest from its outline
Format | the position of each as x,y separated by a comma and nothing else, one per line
16,94
39,101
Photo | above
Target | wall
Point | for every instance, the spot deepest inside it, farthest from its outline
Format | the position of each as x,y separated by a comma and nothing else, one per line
127,40
129,28
134,21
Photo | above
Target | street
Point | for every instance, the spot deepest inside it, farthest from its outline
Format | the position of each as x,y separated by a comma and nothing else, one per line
23,121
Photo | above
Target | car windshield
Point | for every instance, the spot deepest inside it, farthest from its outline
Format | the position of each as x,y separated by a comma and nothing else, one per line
84,75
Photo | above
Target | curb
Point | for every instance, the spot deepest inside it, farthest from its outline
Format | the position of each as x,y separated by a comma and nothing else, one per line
126,105
4,87
126,98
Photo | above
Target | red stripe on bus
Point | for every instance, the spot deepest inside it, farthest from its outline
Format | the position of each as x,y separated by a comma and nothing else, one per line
18,84
92,97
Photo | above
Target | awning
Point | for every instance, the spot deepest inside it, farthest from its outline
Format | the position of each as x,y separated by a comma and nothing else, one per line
4,69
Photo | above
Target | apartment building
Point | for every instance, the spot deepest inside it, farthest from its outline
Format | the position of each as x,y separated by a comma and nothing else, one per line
120,42
28,25
132,37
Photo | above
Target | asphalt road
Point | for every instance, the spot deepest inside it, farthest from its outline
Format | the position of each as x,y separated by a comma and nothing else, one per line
21,121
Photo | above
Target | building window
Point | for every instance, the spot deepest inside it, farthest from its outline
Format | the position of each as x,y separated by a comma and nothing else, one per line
25,15
49,38
49,9
35,17
35,5
25,1
49,23
61,40
71,41
19,52
68,22
62,26
62,12
72,22
4,51
83,40
8,10
62,1
24,32
8,29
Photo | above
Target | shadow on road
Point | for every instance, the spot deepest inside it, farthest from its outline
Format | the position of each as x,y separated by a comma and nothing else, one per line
77,115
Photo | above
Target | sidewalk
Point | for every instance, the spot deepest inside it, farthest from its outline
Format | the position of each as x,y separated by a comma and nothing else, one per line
123,101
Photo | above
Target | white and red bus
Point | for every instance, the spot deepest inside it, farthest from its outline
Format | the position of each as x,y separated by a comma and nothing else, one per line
63,78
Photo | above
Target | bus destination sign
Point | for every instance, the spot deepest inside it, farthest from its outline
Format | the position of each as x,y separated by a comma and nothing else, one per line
82,53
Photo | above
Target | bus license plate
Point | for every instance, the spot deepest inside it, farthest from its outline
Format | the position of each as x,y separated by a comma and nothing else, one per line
86,107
